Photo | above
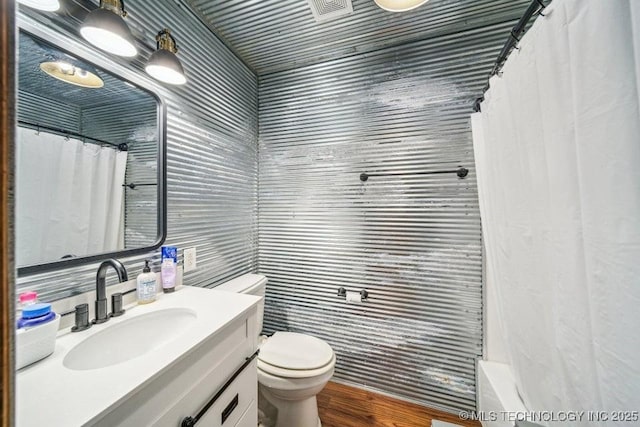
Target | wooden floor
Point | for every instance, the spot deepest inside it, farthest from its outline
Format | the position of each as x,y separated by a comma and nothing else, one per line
344,406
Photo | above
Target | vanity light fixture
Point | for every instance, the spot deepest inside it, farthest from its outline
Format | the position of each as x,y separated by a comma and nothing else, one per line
69,73
46,5
106,29
163,64
399,5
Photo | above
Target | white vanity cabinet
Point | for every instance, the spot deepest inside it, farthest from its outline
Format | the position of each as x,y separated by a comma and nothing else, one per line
209,364
182,390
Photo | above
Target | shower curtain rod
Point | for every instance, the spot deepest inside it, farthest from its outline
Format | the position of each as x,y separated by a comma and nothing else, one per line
536,7
67,133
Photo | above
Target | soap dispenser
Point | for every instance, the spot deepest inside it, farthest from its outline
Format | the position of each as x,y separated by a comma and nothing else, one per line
146,285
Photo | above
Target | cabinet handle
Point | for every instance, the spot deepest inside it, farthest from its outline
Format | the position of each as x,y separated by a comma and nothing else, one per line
229,409
191,421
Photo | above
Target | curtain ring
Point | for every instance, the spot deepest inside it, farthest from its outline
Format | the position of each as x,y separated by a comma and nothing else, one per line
542,7
515,37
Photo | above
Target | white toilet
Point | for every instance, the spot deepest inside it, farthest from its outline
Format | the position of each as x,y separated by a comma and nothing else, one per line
292,368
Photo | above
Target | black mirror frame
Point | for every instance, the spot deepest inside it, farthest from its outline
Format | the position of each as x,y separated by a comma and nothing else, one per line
162,172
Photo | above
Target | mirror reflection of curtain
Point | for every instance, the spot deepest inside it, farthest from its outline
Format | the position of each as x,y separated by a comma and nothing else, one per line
70,197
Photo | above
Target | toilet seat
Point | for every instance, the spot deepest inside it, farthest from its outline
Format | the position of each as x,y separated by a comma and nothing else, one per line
296,373
294,355
292,368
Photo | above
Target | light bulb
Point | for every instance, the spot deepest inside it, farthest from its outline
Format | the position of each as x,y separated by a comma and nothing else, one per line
166,75
108,31
65,67
163,64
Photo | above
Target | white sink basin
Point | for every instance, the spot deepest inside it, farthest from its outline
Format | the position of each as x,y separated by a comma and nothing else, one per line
129,339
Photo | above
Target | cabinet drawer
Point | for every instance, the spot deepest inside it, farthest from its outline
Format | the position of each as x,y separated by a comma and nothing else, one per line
236,402
250,416
187,385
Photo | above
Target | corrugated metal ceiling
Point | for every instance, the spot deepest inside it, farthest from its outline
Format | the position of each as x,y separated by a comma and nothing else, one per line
276,35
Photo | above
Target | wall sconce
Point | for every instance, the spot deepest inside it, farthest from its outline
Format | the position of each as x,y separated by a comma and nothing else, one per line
105,28
46,5
163,64
399,5
72,74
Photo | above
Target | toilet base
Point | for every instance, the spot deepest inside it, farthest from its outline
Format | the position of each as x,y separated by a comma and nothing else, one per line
261,424
286,413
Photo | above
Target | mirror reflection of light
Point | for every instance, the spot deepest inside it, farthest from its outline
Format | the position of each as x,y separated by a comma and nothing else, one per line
46,5
70,74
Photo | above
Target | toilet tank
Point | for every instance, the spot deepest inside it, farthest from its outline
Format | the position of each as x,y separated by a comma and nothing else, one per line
252,284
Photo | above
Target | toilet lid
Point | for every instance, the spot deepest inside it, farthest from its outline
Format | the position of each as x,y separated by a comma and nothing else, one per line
290,350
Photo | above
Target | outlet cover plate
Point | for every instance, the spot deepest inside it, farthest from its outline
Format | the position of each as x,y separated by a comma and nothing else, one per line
189,259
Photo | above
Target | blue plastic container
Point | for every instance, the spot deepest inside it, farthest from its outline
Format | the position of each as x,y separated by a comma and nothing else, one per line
36,314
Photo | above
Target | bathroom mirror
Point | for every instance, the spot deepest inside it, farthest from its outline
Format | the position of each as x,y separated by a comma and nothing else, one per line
90,159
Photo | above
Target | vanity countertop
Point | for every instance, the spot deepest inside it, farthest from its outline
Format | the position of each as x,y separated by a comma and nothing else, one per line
48,393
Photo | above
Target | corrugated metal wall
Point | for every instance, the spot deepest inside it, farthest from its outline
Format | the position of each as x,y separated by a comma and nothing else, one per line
413,241
212,151
113,123
34,108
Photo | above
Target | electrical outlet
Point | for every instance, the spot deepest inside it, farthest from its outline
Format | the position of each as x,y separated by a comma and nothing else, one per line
189,259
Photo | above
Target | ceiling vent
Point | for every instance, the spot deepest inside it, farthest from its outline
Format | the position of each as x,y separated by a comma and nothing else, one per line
327,10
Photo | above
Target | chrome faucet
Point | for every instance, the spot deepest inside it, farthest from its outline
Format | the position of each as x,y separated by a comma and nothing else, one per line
101,287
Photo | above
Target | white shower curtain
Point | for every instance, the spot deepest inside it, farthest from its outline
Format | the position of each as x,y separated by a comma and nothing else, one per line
69,197
557,148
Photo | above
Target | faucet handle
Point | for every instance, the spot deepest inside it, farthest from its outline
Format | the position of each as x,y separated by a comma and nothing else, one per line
116,305
82,318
